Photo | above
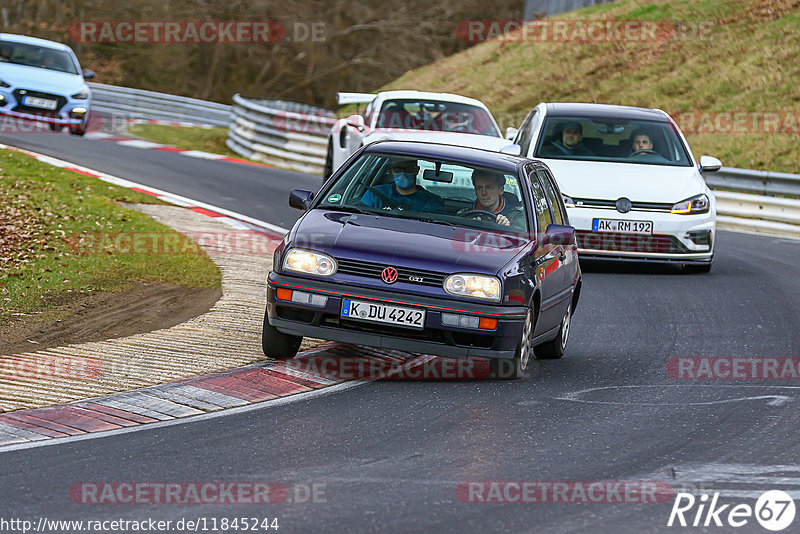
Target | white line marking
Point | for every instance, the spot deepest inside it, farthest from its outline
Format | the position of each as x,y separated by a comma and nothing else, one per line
775,400
191,419
178,200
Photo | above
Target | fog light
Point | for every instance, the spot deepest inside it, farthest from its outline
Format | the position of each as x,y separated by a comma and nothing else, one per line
78,110
468,321
301,297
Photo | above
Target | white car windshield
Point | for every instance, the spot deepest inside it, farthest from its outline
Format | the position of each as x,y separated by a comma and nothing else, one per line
36,56
435,115
609,139
445,193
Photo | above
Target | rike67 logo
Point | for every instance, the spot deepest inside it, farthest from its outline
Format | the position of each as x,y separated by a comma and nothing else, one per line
774,510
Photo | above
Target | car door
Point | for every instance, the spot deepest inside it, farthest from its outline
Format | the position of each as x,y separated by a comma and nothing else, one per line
566,266
546,258
570,265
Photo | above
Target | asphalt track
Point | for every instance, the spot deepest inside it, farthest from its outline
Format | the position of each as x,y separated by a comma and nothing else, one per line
389,456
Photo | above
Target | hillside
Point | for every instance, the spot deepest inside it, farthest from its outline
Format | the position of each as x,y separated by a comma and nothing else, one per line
721,56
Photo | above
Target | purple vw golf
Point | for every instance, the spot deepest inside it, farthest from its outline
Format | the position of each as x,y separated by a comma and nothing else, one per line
432,249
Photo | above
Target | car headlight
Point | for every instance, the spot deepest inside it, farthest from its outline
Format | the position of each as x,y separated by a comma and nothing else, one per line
473,285
568,201
83,95
305,261
4,84
698,204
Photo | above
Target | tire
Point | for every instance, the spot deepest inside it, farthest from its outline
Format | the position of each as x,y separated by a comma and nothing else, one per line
275,344
328,170
553,350
515,368
79,131
55,127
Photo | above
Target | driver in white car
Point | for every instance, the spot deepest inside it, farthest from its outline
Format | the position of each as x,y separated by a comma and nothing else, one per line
643,149
491,200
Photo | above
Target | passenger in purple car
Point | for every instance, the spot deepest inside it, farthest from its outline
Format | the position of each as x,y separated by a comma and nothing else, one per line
403,193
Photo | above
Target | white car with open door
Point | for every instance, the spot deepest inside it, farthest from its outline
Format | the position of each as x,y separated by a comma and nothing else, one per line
413,116
631,184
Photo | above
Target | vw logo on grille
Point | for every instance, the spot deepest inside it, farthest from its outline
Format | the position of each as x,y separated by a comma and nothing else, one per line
389,275
623,205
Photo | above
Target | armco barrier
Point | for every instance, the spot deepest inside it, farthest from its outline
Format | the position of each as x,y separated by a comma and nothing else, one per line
286,134
755,182
149,105
756,213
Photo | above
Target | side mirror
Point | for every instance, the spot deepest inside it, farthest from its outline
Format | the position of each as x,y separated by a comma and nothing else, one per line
88,74
300,199
558,234
356,121
709,164
511,133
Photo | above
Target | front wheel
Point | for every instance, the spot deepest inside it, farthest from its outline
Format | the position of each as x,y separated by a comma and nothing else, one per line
78,130
553,350
276,344
514,369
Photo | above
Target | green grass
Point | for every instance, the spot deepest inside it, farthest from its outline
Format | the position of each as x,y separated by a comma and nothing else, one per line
65,206
725,55
205,139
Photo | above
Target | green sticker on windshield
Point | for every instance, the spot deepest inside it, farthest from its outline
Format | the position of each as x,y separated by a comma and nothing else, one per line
334,198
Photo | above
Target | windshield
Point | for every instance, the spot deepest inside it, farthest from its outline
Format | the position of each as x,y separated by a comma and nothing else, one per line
435,115
411,188
608,139
36,56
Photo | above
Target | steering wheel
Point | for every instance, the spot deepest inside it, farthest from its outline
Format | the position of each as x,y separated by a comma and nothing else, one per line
388,202
481,215
644,152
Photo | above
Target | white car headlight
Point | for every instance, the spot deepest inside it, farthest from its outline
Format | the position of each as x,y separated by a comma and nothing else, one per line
83,95
473,285
690,206
305,261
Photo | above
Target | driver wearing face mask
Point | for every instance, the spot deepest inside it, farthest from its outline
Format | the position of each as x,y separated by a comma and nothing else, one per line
404,191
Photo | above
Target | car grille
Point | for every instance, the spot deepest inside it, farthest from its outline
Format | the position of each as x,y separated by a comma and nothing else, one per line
612,204
620,242
18,95
404,274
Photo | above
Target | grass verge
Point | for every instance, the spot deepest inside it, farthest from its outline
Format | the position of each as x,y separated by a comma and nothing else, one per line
188,137
43,209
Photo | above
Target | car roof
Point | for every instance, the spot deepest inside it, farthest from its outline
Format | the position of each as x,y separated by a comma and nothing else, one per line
26,39
605,111
447,97
471,156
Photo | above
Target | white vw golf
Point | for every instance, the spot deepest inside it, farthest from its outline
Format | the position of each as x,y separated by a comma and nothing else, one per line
632,186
